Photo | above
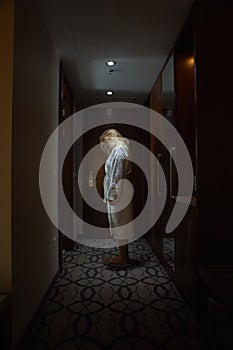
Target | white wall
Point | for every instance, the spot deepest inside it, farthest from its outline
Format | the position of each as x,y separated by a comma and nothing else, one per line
6,74
35,116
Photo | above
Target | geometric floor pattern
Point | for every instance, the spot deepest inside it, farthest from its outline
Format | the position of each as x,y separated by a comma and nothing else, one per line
92,306
169,251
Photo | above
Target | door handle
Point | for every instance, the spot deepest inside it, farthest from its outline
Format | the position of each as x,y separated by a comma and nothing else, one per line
158,177
172,150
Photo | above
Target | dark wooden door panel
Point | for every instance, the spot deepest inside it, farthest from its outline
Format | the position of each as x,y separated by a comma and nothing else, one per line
65,111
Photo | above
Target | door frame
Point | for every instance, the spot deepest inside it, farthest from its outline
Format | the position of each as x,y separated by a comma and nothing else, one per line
66,108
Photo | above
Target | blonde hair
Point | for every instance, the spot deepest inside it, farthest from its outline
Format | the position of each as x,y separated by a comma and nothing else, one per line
111,138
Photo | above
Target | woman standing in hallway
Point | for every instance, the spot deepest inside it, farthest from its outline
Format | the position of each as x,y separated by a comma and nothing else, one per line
116,195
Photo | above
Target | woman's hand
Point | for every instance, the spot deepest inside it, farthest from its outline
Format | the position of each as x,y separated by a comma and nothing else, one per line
112,199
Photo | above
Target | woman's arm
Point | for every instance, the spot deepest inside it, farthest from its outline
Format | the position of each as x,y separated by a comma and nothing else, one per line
116,174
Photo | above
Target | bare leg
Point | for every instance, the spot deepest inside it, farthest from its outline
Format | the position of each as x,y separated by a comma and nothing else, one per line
123,248
123,258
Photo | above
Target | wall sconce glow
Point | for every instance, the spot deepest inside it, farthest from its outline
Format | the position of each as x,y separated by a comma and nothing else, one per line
110,63
191,61
109,93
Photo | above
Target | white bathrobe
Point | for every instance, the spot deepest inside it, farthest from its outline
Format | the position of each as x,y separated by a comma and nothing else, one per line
117,167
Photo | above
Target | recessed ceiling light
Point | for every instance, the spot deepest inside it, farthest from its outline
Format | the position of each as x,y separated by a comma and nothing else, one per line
110,63
109,93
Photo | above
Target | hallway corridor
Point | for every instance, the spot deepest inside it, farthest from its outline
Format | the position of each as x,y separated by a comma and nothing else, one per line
93,306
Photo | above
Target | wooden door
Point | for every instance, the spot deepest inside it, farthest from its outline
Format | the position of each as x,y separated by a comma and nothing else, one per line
155,234
65,111
187,257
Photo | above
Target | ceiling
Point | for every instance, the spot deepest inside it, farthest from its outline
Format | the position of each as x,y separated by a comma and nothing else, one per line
138,35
